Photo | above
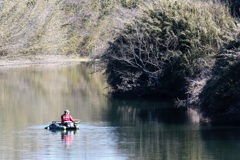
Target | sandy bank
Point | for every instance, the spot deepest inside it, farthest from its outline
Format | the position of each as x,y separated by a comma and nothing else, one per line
20,61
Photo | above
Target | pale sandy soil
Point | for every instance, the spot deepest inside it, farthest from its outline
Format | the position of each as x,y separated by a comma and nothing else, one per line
20,61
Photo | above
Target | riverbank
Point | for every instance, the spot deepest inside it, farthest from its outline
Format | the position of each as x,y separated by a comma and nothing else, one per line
21,61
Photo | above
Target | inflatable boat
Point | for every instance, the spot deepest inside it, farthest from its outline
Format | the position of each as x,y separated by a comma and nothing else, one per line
56,125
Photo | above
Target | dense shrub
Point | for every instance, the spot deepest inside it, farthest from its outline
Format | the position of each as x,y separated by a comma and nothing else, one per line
234,6
168,43
220,97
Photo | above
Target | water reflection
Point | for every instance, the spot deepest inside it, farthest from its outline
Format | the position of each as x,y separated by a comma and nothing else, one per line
134,111
67,137
39,94
159,131
154,130
49,90
221,142
109,128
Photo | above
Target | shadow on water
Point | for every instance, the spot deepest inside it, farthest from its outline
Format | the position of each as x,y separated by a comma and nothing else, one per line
160,131
153,129
221,142
133,111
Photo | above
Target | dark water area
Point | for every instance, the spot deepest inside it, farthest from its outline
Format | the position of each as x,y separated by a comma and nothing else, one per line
32,97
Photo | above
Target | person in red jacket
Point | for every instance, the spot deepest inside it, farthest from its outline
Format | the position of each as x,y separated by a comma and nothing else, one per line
66,117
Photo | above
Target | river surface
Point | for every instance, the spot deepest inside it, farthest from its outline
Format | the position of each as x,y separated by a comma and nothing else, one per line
31,97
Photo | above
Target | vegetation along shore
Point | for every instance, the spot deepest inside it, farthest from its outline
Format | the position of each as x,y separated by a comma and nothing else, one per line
183,50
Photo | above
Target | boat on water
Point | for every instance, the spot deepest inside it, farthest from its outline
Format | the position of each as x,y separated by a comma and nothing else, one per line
56,125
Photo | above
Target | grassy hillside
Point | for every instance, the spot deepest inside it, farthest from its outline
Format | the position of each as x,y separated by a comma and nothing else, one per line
79,27
31,27
60,27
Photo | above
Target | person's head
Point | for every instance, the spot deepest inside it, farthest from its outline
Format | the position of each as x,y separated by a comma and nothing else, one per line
66,111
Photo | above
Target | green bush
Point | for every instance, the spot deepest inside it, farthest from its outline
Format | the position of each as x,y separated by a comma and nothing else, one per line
168,43
220,97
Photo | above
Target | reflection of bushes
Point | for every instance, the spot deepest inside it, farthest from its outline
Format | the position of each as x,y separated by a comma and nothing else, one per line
167,44
133,111
221,140
152,132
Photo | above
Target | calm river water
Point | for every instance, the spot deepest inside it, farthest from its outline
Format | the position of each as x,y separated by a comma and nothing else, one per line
33,96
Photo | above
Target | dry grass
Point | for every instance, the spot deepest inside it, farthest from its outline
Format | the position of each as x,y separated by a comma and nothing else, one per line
30,27
58,26
79,27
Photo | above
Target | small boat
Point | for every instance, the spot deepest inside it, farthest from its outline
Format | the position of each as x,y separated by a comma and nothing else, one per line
57,125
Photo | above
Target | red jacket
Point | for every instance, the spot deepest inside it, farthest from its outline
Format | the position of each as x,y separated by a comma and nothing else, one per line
66,117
